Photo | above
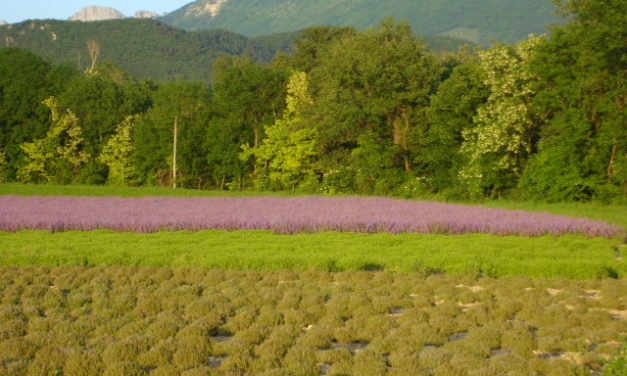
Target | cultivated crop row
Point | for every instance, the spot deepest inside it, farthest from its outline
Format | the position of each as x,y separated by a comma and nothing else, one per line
283,215
130,321
570,256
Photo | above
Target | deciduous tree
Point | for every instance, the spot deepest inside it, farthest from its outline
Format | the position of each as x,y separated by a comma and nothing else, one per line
501,139
288,151
376,82
581,100
118,154
451,111
154,131
63,143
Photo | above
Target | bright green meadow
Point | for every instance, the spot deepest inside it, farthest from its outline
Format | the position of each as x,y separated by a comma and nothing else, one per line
474,254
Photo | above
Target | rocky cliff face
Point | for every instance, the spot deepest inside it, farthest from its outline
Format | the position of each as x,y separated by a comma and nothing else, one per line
205,8
145,14
94,13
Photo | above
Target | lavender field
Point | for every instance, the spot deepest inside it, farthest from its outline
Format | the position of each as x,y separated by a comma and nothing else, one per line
282,215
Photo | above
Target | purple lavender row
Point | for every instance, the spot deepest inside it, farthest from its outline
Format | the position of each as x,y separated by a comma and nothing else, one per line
282,215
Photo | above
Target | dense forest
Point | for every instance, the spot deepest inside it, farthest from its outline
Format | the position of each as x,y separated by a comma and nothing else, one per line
147,48
368,112
478,21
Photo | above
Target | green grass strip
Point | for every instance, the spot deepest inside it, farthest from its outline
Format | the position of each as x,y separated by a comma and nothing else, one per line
107,190
475,254
616,214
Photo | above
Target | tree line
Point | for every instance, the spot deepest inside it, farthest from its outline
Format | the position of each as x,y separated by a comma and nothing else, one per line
369,112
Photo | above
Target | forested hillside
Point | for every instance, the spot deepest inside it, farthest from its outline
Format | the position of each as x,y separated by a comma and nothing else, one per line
142,47
479,21
150,49
369,112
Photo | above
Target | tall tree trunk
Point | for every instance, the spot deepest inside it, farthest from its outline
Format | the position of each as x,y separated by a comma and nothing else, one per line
256,133
94,52
610,166
174,152
405,145
256,143
400,128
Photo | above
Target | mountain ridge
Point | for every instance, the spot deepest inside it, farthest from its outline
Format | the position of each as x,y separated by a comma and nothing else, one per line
97,13
148,48
479,21
145,48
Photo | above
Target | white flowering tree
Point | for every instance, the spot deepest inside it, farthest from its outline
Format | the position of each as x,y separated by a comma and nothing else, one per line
498,144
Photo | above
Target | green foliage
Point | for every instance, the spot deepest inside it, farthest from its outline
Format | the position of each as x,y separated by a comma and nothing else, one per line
501,138
248,99
617,367
26,80
312,42
63,143
287,152
581,100
371,90
153,134
3,165
374,164
451,111
118,154
556,173
102,103
375,111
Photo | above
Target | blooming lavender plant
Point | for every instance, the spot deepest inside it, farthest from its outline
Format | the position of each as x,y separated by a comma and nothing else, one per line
282,215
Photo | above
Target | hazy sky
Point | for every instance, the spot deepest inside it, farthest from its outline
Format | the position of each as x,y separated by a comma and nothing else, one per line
19,10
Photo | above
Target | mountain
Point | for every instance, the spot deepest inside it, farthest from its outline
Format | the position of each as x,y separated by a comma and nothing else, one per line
479,21
3,23
93,13
145,48
148,48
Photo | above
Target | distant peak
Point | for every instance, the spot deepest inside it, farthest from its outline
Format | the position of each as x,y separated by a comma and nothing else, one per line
205,7
146,14
96,13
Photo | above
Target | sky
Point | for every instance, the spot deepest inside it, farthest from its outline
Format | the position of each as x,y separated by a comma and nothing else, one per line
14,11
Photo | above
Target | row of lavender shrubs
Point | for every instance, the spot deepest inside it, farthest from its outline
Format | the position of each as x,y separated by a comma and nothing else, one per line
282,215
